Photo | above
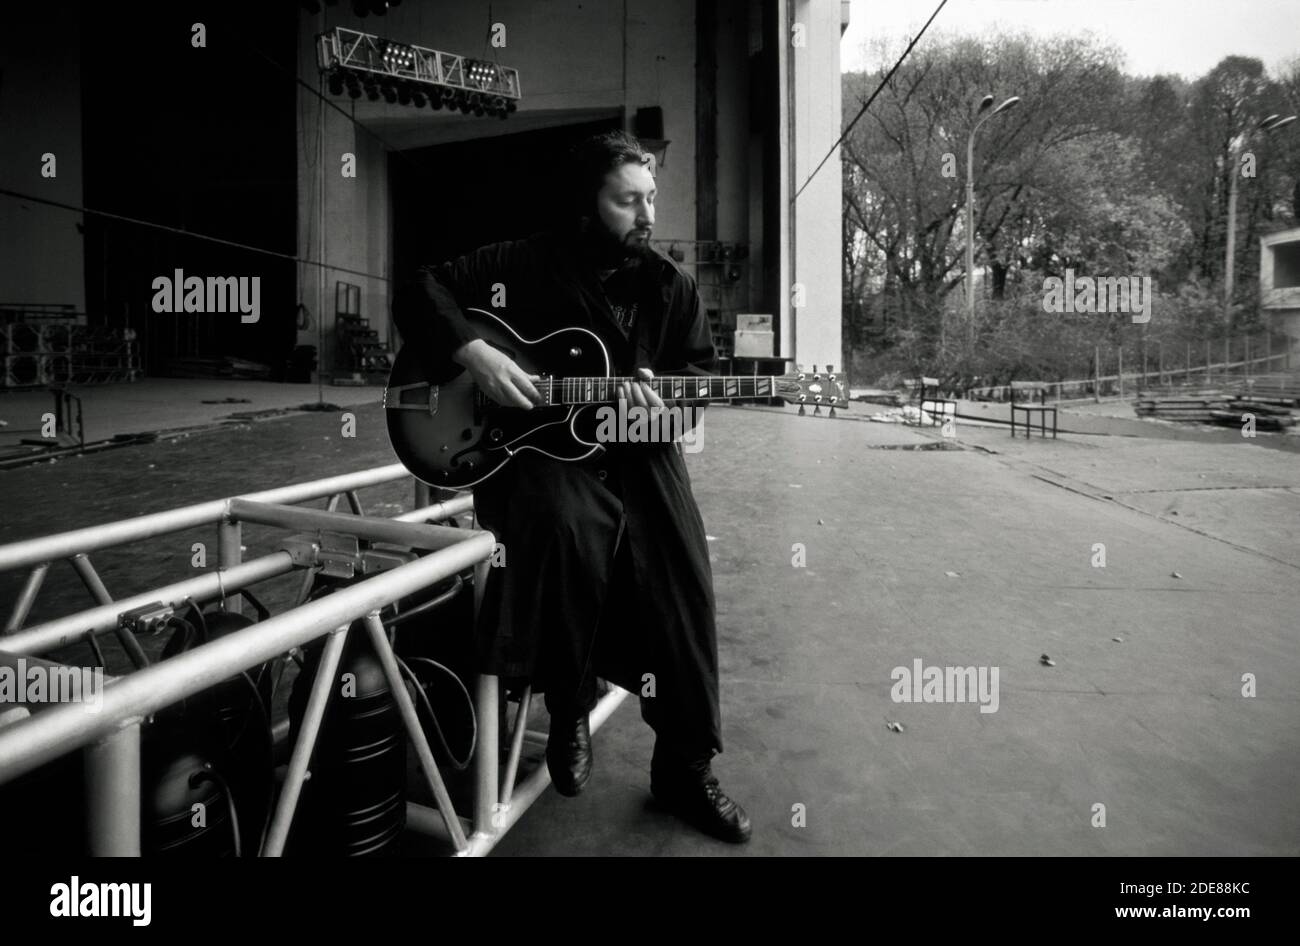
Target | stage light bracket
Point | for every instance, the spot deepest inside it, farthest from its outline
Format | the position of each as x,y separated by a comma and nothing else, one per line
351,52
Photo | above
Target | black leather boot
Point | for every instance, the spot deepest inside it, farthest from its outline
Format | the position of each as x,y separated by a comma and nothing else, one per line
568,754
689,789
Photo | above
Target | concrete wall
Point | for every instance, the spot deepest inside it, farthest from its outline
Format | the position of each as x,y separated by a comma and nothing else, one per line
817,212
42,258
1281,305
577,60
355,232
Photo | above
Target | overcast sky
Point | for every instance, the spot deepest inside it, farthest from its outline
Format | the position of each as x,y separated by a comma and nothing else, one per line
1158,36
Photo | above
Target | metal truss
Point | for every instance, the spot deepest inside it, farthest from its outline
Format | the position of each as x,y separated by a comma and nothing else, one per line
110,738
367,54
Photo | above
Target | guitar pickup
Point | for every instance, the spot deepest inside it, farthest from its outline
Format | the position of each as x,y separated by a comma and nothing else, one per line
394,401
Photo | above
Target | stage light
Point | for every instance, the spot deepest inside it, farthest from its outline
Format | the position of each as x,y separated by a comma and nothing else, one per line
396,56
478,72
405,73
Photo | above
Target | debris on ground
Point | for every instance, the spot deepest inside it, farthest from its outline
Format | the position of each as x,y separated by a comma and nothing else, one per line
907,414
1046,661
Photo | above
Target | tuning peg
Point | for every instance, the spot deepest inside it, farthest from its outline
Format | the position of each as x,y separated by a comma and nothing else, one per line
817,410
802,411
832,412
830,368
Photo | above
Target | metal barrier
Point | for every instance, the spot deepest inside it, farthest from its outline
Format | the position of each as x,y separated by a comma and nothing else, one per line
110,737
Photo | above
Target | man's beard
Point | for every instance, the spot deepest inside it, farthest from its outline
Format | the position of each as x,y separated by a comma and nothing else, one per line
608,249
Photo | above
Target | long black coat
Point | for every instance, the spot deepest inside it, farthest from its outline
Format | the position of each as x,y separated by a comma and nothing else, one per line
561,523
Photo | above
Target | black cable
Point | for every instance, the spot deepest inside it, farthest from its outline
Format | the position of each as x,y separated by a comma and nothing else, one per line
6,192
203,624
209,774
863,110
269,742
456,764
402,617
93,640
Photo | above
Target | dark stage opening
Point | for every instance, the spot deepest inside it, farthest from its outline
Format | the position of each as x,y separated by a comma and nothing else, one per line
452,198
202,140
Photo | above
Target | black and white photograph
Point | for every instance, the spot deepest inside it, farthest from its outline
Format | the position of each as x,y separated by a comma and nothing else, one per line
650,429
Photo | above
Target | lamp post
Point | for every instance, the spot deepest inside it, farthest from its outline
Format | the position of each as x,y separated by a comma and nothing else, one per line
985,105
1271,123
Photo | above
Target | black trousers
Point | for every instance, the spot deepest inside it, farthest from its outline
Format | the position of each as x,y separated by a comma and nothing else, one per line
677,688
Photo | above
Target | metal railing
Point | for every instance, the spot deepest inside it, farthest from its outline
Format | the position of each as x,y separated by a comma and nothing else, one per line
110,737
1161,371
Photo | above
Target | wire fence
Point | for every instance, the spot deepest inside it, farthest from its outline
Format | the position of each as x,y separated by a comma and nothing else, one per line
1122,371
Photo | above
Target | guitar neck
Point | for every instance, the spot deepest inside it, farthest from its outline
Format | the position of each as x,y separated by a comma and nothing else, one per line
669,387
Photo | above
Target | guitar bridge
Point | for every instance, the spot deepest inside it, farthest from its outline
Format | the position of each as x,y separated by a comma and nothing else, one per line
393,400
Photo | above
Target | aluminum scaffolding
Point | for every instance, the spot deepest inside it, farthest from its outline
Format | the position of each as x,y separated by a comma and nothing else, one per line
110,738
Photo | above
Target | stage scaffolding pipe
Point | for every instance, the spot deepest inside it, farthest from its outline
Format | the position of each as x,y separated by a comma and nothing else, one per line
110,738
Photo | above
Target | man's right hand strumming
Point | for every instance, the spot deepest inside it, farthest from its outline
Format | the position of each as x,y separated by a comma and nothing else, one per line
497,375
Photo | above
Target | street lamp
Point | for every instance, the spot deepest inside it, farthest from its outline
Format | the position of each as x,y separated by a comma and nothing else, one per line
985,105
1269,124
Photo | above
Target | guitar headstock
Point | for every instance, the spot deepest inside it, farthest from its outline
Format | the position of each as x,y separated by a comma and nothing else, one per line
818,388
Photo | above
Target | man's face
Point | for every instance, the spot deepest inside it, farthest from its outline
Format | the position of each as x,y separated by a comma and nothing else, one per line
626,207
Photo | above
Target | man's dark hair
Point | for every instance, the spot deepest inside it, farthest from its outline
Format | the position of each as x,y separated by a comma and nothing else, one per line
592,158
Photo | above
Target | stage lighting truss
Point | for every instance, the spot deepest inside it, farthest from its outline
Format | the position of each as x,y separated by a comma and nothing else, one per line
415,74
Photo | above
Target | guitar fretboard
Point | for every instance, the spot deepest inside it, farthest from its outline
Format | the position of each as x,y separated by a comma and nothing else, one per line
689,387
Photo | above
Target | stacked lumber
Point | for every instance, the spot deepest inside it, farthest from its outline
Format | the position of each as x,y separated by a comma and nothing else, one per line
1267,416
1193,405
1214,406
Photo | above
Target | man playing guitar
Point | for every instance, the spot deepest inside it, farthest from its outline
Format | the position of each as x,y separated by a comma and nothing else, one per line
607,566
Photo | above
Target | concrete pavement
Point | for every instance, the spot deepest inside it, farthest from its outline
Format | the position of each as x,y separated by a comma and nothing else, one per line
161,404
979,556
974,558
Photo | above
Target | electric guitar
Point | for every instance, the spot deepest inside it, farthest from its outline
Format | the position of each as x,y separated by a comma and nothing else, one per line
449,434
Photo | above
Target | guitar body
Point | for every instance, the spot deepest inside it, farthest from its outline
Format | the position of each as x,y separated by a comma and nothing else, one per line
450,435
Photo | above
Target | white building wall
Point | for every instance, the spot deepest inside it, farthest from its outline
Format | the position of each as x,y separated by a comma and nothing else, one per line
818,210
